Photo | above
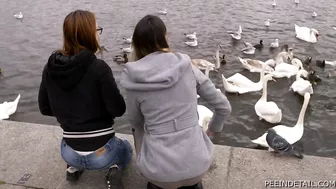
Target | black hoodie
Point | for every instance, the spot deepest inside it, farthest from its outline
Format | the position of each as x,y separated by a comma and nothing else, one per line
80,91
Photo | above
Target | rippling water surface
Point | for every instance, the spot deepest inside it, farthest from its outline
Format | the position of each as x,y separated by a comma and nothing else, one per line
25,47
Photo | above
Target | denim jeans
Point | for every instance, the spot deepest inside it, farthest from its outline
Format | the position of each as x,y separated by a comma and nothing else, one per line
115,151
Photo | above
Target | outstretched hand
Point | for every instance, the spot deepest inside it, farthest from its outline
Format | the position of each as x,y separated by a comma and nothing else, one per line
210,133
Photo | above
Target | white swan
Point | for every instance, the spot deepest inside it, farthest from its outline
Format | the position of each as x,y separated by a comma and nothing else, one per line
297,1
249,48
274,3
275,44
241,84
269,111
18,15
286,57
127,49
127,40
255,65
191,36
206,73
287,70
8,108
306,34
334,28
236,35
314,14
267,23
204,116
191,43
162,11
301,85
291,134
202,64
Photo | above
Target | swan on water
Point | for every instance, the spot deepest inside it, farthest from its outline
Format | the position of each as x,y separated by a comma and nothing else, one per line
202,64
8,108
236,35
267,110
306,34
314,14
287,70
301,85
290,133
241,84
267,22
255,65
275,44
162,11
249,48
274,3
127,40
191,43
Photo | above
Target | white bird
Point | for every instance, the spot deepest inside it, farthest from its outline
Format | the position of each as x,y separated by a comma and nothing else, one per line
236,35
314,14
18,15
162,11
127,40
297,1
291,134
191,43
306,34
274,3
241,84
267,22
8,108
301,85
255,65
127,49
191,36
334,28
249,48
275,44
284,56
204,116
269,111
287,70
207,70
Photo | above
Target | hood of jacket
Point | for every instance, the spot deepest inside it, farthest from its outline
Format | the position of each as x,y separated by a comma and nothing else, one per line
155,71
68,71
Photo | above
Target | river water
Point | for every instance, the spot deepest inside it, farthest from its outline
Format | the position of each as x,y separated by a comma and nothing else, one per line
25,47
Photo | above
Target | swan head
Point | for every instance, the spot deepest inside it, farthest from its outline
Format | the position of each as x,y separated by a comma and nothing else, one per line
307,96
277,40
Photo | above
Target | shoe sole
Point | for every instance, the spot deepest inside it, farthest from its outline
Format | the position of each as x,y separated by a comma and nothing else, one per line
115,179
72,177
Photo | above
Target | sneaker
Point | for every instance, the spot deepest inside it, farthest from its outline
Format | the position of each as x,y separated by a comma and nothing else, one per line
196,186
73,174
113,178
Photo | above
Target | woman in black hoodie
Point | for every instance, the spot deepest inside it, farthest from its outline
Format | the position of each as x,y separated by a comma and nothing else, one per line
80,91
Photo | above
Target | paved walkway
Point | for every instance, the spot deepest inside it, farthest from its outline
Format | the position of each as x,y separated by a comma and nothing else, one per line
30,158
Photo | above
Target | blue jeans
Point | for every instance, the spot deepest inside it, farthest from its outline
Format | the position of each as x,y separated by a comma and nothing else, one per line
115,151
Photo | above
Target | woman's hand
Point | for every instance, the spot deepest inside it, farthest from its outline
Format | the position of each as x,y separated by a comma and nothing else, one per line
210,133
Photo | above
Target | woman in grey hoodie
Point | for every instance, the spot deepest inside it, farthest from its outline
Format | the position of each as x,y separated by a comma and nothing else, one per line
161,100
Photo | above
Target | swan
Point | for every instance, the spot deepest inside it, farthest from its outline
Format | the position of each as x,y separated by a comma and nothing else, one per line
191,36
287,70
301,85
240,84
162,11
127,40
127,49
269,111
204,116
8,108
284,57
323,63
221,58
255,65
297,1
275,44
202,64
314,14
334,28
191,43
18,15
274,3
249,48
306,34
206,73
236,35
291,134
267,22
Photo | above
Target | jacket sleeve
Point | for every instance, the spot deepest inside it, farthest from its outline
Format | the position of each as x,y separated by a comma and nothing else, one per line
43,100
114,101
136,119
216,99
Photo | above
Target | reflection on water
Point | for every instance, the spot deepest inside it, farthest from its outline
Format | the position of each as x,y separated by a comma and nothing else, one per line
27,45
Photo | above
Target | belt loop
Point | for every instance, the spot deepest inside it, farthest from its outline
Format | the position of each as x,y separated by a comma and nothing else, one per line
175,125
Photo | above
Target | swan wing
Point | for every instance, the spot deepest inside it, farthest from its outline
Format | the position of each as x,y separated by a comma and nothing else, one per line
267,108
240,80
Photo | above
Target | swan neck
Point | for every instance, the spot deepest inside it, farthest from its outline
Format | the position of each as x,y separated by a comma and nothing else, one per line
302,113
298,75
264,94
207,70
217,59
262,74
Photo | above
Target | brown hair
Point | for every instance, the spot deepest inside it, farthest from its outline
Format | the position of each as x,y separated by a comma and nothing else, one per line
79,33
149,36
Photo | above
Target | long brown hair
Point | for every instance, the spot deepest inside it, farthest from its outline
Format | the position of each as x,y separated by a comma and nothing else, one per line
79,33
149,36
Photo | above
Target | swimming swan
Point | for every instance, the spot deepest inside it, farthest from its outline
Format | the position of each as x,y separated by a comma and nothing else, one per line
306,34
8,108
301,85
